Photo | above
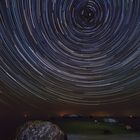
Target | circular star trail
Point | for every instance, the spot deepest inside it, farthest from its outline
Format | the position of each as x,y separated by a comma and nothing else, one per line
70,51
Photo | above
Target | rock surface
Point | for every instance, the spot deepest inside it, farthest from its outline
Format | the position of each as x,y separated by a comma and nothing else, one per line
39,130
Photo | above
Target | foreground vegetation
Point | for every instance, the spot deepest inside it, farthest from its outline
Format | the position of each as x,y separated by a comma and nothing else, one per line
90,128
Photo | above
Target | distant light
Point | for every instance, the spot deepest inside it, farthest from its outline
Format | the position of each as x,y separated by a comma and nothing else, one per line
95,121
25,115
128,127
131,116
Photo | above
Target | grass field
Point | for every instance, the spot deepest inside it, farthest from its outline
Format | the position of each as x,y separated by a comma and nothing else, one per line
110,137
90,128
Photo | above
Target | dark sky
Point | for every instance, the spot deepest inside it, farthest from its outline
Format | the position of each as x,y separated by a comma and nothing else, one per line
65,57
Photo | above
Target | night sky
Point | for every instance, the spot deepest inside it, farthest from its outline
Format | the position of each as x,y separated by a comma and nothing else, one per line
70,56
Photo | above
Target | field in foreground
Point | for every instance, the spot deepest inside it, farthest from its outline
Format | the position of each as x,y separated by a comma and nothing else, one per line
111,137
89,130
90,127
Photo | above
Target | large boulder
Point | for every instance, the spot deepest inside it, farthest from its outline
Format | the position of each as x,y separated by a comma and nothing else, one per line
39,130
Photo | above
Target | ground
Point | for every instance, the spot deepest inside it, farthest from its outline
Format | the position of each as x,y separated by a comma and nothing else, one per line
111,137
89,130
90,127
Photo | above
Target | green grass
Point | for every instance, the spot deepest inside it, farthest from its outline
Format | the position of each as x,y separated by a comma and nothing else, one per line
89,127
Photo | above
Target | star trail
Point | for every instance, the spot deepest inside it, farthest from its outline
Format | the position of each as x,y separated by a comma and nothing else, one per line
84,52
